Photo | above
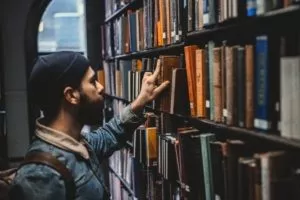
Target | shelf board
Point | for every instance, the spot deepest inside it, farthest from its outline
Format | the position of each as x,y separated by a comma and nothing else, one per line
123,181
2,112
254,134
152,51
245,24
121,11
237,131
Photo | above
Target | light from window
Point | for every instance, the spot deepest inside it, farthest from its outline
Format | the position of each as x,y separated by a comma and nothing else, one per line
63,27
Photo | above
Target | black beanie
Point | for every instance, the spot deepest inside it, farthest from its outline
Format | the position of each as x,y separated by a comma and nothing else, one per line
51,73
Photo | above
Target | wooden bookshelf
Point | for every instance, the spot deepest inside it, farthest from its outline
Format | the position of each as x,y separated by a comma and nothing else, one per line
236,31
122,10
123,181
220,128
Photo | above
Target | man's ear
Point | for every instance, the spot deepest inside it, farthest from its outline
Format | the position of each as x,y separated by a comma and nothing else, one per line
72,95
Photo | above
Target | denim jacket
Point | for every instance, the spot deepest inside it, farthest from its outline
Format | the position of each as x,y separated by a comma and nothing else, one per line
35,181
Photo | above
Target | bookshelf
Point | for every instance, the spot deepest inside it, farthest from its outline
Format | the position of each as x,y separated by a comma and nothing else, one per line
220,128
257,31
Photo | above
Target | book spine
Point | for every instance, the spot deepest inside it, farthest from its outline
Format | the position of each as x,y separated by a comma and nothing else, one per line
211,46
200,83
217,84
241,86
262,84
133,43
223,77
251,8
249,74
205,140
207,85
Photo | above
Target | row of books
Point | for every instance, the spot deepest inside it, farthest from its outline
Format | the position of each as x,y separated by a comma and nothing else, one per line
202,13
243,85
239,85
112,6
157,23
162,22
193,164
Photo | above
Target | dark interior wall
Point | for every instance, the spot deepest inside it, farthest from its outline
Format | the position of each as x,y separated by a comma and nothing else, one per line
14,16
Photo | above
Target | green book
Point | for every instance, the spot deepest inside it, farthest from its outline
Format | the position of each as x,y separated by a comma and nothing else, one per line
205,140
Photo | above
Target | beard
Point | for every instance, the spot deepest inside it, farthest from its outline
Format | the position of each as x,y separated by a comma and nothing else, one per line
90,112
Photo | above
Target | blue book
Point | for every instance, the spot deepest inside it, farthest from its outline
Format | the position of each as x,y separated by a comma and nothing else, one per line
251,8
133,42
262,99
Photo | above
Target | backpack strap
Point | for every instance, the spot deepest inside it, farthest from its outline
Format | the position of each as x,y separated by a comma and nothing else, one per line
38,157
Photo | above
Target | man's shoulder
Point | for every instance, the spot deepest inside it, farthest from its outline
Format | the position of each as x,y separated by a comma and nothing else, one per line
65,157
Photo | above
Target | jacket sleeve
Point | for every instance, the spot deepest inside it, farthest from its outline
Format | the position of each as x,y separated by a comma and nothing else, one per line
113,135
34,181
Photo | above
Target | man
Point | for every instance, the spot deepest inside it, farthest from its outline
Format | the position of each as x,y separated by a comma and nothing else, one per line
65,87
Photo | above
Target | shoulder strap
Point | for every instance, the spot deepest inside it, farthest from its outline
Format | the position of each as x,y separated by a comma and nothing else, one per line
48,159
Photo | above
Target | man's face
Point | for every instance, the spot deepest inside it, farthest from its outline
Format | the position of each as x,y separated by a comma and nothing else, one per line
91,99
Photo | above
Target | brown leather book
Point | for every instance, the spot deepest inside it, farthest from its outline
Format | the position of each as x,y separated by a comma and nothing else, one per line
141,29
236,149
168,63
190,60
191,164
200,83
249,74
231,84
251,180
217,83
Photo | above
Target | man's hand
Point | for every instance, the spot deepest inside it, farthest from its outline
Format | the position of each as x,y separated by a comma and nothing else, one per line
149,90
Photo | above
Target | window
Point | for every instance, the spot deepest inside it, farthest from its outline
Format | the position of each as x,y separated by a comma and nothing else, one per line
63,27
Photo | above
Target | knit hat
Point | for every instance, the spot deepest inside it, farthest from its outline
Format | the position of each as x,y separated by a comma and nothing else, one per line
51,73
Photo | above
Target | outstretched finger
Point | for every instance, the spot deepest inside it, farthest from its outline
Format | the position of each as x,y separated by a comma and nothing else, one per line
157,70
160,88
